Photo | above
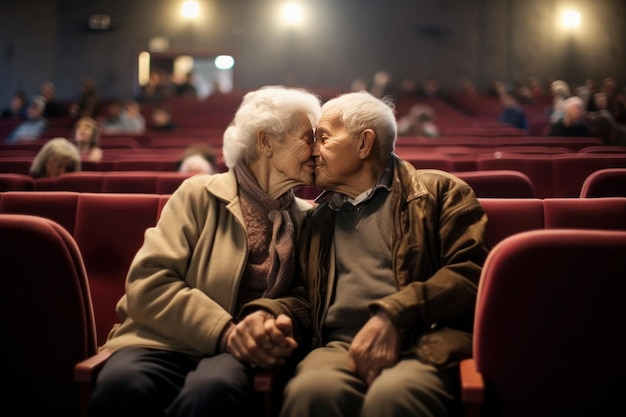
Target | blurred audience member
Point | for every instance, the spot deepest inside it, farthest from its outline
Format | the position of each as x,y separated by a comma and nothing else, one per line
468,87
604,126
52,108
187,87
358,84
574,122
198,159
157,88
56,157
536,91
161,120
420,121
512,112
431,88
34,125
17,107
560,92
88,100
128,121
87,139
381,85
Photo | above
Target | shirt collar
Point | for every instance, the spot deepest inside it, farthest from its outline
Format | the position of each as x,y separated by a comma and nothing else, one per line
339,202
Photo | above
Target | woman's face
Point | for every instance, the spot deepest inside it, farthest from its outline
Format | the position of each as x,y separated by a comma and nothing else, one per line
292,152
57,165
84,132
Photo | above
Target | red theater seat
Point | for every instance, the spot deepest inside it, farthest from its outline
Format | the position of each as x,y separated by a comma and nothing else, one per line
546,339
608,182
46,315
499,183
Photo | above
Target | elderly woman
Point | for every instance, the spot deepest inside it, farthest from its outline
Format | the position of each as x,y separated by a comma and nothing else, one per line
56,157
186,343
87,138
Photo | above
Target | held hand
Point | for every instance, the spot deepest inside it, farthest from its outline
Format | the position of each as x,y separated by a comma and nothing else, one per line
261,340
375,347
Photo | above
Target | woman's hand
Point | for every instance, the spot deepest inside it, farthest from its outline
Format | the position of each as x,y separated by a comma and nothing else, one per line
261,340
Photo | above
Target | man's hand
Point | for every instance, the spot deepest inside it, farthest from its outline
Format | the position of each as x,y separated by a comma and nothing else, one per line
375,347
261,340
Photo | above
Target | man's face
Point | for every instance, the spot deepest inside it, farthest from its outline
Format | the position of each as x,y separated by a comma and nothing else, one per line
336,153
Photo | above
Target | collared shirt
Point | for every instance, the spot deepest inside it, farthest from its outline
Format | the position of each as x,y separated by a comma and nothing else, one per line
341,202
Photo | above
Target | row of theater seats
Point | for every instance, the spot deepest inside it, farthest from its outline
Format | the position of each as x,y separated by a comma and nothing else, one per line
108,229
483,137
489,183
497,183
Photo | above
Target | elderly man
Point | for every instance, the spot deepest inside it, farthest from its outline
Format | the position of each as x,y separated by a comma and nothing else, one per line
392,256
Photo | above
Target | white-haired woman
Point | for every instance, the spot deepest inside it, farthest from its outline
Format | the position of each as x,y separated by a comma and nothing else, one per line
187,343
56,157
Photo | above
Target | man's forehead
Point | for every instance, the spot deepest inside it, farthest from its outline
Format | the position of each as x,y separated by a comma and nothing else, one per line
330,119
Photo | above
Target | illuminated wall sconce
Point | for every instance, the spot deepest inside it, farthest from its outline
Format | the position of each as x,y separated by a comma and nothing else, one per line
224,62
144,68
292,13
570,19
190,9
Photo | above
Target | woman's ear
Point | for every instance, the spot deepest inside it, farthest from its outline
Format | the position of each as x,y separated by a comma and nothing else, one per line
367,139
264,143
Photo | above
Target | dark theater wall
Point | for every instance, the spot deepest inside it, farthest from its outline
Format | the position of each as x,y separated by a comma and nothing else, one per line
483,40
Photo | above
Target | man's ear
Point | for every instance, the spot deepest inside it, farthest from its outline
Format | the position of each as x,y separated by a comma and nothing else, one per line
264,143
367,139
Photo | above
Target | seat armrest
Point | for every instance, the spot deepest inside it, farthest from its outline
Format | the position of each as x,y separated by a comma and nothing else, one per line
85,373
87,370
472,384
472,388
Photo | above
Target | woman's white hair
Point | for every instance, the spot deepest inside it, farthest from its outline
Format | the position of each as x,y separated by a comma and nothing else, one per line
268,109
55,147
360,110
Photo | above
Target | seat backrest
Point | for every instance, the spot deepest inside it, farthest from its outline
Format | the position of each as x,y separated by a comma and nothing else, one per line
499,183
608,182
59,206
507,216
549,314
109,231
47,316
585,213
10,181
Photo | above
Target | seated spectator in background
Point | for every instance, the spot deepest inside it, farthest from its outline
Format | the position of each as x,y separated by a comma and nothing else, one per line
34,125
560,92
52,107
513,113
161,120
187,88
112,114
157,88
87,103
358,84
56,157
604,126
420,121
574,122
431,88
17,108
198,159
468,87
381,85
129,120
87,139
